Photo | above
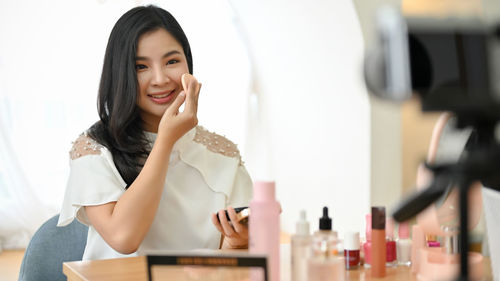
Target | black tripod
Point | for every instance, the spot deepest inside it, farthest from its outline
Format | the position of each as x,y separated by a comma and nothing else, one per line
480,162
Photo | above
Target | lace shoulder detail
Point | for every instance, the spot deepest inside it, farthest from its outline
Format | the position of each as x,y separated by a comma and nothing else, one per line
217,143
84,145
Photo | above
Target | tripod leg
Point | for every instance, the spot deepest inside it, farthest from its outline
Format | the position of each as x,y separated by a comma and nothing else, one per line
464,231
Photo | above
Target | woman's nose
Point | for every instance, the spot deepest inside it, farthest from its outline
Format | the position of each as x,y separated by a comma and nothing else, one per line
160,76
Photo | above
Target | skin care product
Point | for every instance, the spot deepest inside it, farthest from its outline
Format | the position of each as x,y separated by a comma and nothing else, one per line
379,251
264,226
301,248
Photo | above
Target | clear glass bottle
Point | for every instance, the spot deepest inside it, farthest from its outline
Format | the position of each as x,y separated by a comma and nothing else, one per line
325,264
301,248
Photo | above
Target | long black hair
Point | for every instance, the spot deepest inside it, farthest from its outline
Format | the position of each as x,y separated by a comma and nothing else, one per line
120,128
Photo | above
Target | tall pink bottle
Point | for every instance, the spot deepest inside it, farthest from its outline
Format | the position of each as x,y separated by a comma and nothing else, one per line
264,226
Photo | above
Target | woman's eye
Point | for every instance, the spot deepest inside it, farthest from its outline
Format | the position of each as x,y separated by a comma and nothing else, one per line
172,62
140,66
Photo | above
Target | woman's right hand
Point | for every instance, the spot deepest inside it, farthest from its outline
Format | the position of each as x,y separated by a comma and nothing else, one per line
175,124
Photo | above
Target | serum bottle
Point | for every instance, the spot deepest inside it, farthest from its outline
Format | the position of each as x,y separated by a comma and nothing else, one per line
325,265
301,248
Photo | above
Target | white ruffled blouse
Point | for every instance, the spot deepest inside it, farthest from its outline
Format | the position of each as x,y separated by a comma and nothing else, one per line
205,174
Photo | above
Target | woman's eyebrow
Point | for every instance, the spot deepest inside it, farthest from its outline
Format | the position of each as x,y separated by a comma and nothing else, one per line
164,56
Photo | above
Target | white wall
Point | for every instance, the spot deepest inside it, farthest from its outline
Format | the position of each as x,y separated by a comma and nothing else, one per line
307,59
308,62
50,64
385,123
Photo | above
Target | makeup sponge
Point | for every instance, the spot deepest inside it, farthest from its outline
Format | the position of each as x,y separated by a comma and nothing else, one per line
184,80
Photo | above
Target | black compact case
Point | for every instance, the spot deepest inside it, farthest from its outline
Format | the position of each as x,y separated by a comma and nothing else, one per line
242,214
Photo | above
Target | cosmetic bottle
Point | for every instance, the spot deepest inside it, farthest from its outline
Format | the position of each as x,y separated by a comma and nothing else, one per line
351,250
325,234
432,241
418,243
367,246
403,244
379,251
301,248
264,226
324,264
451,243
390,243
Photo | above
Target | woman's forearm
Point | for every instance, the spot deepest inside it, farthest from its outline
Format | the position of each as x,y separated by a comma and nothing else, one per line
124,224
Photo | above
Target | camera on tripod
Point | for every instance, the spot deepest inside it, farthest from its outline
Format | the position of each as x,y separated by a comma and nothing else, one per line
452,65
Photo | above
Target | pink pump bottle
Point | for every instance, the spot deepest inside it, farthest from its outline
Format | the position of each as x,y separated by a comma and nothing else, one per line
264,226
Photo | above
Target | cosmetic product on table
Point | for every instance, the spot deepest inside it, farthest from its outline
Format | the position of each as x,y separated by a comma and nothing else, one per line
418,244
432,241
351,250
325,264
390,243
264,226
403,244
301,248
379,250
367,246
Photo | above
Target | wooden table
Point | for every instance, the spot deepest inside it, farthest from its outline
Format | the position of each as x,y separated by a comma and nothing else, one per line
135,268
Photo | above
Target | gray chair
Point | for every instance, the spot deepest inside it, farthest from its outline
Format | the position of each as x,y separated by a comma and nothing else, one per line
50,247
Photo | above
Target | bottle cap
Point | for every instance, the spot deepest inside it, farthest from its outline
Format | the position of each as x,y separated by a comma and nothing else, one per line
351,241
389,228
404,230
302,225
378,218
264,191
325,223
368,229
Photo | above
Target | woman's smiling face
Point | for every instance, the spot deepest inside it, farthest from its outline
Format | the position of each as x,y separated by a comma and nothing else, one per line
160,63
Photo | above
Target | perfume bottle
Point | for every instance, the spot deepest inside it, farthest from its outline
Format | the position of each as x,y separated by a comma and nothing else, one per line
301,248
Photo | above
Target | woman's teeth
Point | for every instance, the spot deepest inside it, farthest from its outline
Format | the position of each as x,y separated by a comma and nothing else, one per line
160,96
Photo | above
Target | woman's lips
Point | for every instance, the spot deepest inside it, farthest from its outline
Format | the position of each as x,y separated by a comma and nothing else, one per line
162,98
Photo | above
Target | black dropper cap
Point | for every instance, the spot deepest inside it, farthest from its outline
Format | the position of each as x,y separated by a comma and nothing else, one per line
325,223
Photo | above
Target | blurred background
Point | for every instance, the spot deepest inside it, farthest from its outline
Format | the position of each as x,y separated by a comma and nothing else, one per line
281,78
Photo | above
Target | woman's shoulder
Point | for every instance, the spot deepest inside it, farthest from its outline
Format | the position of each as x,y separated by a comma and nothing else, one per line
84,145
216,143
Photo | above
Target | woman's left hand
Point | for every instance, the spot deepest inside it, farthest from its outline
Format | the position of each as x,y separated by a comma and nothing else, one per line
235,234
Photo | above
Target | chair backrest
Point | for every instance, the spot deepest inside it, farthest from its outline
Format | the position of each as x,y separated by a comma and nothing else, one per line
50,247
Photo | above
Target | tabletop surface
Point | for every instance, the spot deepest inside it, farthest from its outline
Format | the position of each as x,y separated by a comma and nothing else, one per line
135,268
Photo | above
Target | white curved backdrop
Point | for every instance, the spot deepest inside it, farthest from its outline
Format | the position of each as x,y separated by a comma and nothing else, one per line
308,129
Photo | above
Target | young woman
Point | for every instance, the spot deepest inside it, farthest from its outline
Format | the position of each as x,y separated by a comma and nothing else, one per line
146,177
